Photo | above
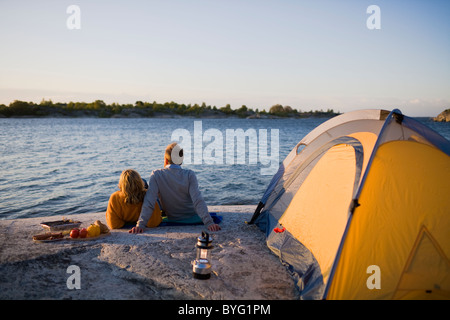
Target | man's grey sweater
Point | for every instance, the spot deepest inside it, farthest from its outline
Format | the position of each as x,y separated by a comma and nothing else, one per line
178,190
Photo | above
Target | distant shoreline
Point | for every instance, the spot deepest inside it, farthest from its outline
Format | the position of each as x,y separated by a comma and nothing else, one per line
99,109
167,110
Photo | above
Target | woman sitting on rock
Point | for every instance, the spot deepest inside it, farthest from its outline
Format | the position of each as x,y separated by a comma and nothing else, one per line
125,205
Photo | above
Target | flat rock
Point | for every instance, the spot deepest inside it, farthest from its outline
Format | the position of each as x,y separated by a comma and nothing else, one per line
152,265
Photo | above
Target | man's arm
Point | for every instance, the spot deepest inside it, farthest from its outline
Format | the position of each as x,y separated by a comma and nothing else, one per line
199,204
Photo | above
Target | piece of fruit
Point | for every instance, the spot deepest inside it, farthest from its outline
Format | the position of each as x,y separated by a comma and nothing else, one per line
75,233
83,233
93,231
103,228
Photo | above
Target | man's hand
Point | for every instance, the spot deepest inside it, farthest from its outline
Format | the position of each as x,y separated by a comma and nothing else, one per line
214,227
136,230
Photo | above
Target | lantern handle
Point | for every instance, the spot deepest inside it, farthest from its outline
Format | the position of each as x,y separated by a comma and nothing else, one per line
205,235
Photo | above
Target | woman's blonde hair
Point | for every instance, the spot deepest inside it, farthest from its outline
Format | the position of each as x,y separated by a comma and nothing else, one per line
132,185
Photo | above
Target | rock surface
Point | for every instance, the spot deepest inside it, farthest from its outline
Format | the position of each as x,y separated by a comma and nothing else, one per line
444,116
152,265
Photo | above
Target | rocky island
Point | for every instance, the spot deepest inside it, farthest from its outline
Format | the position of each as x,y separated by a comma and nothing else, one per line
444,116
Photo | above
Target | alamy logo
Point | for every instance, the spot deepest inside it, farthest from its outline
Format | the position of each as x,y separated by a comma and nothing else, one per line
74,280
74,20
374,20
374,280
211,147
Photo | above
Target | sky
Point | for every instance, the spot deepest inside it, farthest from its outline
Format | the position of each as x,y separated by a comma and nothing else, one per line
310,55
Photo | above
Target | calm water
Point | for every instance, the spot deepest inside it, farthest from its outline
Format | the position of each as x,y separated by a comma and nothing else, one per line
55,166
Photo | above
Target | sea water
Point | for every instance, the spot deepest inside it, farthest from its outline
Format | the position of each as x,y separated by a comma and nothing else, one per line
63,166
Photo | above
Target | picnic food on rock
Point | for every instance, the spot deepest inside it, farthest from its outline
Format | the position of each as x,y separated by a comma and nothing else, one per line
94,230
48,236
103,227
83,233
60,225
74,233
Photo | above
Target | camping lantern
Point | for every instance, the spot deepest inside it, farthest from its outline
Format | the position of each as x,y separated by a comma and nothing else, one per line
202,263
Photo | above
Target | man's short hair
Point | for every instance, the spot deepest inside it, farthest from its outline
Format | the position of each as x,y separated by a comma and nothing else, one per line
174,154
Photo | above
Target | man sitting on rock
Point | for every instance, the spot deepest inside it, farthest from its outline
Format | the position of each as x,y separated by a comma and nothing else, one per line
178,191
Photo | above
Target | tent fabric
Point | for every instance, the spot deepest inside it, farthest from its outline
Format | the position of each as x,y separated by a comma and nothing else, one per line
335,173
369,121
366,189
395,215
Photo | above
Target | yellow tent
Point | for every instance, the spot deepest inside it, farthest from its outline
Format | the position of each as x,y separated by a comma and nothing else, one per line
359,209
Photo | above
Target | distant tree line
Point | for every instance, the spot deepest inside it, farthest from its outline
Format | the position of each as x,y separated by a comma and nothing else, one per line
98,108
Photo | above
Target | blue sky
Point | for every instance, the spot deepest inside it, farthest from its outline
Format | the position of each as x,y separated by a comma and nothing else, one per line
306,54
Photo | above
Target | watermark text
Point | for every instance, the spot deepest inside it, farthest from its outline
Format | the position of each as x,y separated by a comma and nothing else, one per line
237,146
374,20
73,22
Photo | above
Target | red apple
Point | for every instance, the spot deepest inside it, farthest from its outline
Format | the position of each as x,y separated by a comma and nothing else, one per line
74,233
83,233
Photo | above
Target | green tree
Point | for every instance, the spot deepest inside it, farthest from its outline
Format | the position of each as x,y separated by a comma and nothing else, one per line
4,110
98,104
287,109
70,105
242,111
276,109
227,109
22,108
48,103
